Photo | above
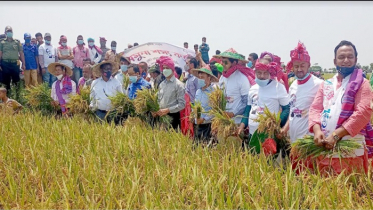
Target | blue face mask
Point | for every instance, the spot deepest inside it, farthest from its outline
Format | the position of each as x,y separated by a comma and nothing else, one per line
47,42
250,64
9,34
64,44
133,79
27,41
80,41
345,71
123,68
300,79
107,74
262,83
201,83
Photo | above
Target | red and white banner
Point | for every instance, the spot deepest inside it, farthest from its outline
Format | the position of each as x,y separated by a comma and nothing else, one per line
151,51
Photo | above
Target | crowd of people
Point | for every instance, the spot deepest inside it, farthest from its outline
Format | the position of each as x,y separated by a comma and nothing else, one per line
333,110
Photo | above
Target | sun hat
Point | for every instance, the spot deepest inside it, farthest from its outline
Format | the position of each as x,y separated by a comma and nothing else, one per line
231,53
154,68
205,69
52,68
96,68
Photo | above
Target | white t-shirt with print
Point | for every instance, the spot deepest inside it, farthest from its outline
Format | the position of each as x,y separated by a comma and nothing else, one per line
301,98
236,86
49,53
273,96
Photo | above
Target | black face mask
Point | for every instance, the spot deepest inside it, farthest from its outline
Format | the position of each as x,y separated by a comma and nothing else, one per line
345,71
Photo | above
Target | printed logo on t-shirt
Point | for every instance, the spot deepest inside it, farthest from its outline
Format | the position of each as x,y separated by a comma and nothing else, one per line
256,109
229,99
50,55
293,99
325,116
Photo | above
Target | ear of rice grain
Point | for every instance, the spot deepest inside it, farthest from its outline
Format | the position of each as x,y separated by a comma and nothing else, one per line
221,124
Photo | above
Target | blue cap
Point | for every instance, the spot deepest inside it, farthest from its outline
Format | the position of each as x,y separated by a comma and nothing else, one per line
27,35
90,39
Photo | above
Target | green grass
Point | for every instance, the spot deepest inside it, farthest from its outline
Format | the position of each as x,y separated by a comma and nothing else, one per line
70,163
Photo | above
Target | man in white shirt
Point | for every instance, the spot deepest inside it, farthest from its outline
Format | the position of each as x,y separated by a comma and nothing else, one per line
302,93
236,81
95,53
102,88
124,63
47,55
63,86
268,92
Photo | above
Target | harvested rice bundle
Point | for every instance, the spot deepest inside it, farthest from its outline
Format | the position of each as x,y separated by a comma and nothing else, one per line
147,101
39,98
197,110
221,125
121,104
305,147
79,103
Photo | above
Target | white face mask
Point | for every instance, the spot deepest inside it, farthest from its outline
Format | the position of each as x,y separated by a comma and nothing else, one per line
167,72
59,77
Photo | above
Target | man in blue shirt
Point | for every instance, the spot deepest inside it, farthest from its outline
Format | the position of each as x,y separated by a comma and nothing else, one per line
31,61
204,49
137,81
191,81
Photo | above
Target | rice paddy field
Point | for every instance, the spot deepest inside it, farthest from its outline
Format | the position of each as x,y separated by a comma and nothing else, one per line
72,164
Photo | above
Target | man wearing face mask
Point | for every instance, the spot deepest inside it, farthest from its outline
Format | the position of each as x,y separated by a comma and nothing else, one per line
341,110
86,79
103,48
110,54
205,87
63,86
102,88
204,49
137,82
95,53
267,92
31,61
80,52
236,81
124,62
171,93
253,57
10,51
47,55
65,53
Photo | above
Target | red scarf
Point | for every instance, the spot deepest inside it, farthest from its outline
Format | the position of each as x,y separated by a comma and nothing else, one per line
249,73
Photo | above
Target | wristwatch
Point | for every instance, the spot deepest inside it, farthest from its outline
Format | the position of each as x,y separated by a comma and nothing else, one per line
336,137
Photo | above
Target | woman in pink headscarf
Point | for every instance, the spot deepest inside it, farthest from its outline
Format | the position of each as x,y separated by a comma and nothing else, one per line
65,53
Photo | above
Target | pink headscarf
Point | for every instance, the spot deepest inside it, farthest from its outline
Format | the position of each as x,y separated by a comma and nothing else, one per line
272,68
165,60
300,53
267,53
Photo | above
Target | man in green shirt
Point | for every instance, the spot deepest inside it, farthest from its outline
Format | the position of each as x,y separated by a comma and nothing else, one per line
10,51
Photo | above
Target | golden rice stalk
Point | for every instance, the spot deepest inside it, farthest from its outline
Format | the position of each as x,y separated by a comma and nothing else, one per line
125,82
306,148
221,125
197,110
39,98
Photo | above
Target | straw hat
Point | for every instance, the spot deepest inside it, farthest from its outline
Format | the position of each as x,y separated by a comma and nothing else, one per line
96,68
52,68
207,70
231,53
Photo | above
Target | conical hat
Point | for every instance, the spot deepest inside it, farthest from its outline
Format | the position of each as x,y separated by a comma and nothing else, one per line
231,53
52,68
206,69
96,68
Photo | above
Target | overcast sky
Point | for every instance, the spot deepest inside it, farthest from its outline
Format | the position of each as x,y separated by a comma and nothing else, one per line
245,26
